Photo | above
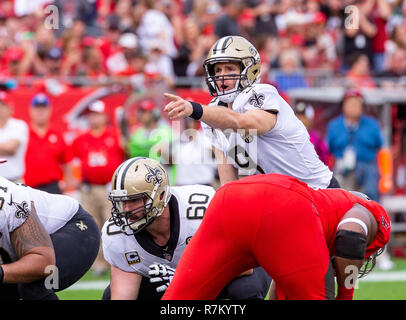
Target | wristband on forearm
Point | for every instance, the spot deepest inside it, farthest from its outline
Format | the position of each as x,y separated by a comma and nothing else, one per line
1,274
197,110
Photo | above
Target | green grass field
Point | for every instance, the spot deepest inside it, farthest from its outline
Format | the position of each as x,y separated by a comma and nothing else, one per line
385,290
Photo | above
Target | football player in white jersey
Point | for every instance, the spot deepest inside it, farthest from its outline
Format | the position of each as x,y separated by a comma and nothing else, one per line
253,129
151,224
50,226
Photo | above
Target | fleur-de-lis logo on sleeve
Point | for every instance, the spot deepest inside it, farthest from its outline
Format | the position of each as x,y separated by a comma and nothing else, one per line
257,100
22,211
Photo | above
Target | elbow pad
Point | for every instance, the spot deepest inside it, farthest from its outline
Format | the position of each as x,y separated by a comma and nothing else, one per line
350,245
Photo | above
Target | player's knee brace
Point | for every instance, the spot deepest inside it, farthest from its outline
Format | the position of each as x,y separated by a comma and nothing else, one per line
350,245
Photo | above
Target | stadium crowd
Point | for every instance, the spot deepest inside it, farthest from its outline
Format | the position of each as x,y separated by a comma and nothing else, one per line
169,39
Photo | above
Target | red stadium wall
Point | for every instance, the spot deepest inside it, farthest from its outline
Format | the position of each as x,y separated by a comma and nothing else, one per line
69,105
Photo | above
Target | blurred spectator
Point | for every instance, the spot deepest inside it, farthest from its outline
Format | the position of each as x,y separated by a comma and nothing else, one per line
108,42
292,25
154,26
305,113
319,50
160,64
84,10
268,48
227,23
335,15
246,22
264,12
27,7
313,6
13,141
189,43
120,62
7,8
51,144
359,74
355,139
153,137
396,39
105,8
205,13
192,51
123,11
91,60
52,62
147,139
381,10
396,69
359,31
71,48
48,55
193,156
172,10
100,153
289,75
12,59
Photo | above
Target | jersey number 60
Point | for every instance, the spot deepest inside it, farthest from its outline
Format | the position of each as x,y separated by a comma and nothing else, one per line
198,203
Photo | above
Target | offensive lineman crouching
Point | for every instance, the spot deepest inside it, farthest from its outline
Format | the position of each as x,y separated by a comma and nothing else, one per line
31,221
151,225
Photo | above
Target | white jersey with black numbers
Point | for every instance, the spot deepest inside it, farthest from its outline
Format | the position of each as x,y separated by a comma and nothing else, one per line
135,253
285,149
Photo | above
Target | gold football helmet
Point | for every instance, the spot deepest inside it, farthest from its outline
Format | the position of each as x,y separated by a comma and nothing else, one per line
138,178
228,49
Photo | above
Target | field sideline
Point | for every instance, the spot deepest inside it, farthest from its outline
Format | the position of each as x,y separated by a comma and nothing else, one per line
379,285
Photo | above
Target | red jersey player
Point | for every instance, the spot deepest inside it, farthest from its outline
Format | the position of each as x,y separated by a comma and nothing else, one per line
289,229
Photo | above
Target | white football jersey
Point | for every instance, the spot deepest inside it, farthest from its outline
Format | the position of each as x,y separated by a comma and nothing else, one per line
15,206
285,149
135,253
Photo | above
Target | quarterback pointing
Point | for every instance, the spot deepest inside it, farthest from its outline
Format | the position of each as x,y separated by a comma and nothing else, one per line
151,224
253,129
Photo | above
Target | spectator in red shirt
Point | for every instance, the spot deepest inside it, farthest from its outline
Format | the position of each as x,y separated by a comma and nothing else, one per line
100,153
46,149
12,60
381,11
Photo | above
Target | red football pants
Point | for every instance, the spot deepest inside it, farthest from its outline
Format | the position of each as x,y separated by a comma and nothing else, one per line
261,224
